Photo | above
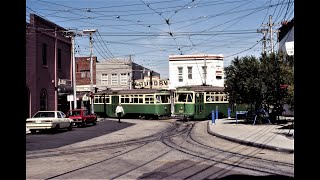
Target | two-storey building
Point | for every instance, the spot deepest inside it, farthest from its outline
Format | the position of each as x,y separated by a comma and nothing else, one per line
196,69
48,66
120,74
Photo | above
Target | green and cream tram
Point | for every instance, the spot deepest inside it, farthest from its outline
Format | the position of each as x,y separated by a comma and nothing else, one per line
147,103
198,102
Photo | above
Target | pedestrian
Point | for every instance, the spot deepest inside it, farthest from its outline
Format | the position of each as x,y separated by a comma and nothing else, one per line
119,111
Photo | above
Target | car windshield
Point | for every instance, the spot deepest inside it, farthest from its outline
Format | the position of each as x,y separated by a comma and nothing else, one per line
74,113
44,114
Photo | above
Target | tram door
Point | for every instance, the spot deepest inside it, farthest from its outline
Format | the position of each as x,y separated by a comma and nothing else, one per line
114,103
199,105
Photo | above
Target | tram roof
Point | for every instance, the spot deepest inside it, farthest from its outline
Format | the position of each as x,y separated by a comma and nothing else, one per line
131,91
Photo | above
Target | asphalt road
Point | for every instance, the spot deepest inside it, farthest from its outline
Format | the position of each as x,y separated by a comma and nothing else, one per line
165,149
58,138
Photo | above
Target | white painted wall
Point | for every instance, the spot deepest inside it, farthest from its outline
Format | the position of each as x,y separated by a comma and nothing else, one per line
197,72
289,37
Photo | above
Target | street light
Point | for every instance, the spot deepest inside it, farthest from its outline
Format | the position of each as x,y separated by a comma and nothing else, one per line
90,32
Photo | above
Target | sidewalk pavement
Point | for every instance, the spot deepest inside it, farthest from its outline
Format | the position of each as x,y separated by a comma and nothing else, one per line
268,136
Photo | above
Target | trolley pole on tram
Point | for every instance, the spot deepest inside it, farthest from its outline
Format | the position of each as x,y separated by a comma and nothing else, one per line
90,32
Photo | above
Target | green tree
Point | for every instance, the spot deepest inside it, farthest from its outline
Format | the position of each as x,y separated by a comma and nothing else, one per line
267,80
243,81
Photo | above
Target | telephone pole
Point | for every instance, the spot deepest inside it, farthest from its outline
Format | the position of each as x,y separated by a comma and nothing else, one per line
205,70
265,32
90,32
55,71
151,73
264,42
71,35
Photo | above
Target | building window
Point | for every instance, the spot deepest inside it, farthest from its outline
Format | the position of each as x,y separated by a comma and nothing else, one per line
43,100
189,72
114,79
104,79
44,55
85,73
123,79
180,74
204,72
59,58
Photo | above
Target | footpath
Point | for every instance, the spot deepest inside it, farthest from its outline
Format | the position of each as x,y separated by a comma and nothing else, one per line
279,137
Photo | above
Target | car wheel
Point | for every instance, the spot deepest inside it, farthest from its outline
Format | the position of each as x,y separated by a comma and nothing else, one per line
33,131
94,123
70,127
83,124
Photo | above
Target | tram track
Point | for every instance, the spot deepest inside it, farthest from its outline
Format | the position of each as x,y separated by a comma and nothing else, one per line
234,159
141,142
178,137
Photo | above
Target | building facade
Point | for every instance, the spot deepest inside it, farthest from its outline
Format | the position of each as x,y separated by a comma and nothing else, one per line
286,37
120,74
48,62
83,73
197,69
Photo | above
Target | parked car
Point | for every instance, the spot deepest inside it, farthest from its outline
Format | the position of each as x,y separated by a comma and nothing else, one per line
49,120
81,117
28,130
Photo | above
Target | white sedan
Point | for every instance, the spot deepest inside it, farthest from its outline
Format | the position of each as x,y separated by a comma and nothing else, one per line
49,120
28,130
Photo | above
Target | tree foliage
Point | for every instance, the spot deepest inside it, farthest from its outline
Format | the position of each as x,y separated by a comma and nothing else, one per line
264,81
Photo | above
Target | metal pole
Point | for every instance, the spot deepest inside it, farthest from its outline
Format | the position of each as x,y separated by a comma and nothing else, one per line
205,73
74,74
270,25
55,72
91,73
151,72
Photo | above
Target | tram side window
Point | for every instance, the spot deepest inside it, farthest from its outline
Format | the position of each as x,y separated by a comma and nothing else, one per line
140,98
210,96
181,97
149,99
162,98
217,97
189,97
96,99
165,98
107,99
136,99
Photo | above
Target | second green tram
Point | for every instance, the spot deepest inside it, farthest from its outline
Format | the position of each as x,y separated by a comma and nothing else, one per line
198,102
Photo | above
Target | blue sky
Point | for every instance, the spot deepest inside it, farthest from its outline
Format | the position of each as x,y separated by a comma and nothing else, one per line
151,30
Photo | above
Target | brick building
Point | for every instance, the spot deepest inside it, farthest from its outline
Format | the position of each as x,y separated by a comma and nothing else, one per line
83,73
48,62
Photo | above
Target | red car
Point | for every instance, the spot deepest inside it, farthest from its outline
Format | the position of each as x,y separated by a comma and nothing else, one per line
81,117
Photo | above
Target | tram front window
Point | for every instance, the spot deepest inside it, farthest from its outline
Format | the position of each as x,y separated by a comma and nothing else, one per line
184,97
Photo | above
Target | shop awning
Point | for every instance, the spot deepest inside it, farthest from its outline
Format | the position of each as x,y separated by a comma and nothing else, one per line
64,89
